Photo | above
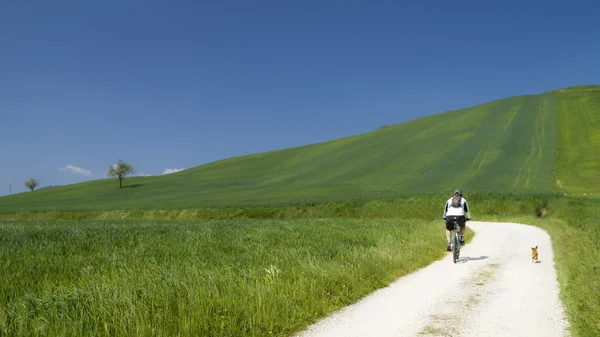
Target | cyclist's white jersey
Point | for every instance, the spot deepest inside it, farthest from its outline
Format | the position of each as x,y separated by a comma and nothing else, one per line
463,210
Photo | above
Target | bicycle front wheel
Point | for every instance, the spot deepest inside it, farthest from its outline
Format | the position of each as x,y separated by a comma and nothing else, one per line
455,249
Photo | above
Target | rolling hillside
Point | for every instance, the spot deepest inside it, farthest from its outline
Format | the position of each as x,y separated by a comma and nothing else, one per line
527,144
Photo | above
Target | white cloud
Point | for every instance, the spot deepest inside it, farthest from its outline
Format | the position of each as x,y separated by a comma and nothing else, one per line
76,169
143,174
169,171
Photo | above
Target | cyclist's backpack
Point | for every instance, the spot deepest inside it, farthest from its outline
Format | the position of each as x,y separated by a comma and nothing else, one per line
456,201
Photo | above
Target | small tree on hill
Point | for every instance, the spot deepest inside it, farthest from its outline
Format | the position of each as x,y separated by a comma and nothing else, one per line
31,184
121,170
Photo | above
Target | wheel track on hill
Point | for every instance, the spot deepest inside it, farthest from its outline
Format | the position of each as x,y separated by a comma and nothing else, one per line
526,171
579,110
439,152
564,132
543,107
391,153
479,160
591,129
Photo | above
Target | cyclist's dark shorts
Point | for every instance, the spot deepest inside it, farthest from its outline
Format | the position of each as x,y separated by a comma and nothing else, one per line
461,221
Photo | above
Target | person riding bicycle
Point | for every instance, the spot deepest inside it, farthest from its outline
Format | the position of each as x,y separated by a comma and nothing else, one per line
456,208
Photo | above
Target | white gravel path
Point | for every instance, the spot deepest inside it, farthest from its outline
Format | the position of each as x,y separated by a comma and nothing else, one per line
494,290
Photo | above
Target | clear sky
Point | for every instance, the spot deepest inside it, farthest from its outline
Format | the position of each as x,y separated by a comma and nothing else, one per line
176,84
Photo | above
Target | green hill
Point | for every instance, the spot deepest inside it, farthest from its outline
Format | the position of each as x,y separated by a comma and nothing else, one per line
527,144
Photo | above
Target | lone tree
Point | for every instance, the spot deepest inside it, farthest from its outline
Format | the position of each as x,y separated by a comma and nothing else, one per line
31,184
121,170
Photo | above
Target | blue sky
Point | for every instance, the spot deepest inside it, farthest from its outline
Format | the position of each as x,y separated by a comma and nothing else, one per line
176,84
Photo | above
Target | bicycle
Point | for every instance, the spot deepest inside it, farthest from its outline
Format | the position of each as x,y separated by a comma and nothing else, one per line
455,242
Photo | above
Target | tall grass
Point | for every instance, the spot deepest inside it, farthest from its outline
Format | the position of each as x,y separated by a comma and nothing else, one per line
165,275
198,278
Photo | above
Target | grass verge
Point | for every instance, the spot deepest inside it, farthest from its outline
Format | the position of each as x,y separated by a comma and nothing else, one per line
577,258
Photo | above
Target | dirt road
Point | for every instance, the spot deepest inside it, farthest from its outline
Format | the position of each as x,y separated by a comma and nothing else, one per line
494,290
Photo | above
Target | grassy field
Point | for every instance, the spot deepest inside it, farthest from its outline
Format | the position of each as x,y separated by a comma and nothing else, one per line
198,278
577,246
177,276
526,144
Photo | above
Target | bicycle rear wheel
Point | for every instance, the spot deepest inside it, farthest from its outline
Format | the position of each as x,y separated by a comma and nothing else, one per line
455,248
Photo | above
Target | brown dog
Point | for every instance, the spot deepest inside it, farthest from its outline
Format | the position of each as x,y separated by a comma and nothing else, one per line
534,253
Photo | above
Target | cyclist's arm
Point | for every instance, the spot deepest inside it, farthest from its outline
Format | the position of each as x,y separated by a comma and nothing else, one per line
467,211
445,211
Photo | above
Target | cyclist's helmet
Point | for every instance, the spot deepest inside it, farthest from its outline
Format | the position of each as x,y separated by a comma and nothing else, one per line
459,192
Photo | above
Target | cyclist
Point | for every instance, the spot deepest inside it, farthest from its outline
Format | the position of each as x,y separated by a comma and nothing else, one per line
456,208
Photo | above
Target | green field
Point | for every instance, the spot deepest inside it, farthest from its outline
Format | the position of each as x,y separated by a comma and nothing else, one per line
225,248
232,277
197,278
527,144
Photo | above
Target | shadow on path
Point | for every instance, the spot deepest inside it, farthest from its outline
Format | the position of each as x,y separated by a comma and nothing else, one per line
468,258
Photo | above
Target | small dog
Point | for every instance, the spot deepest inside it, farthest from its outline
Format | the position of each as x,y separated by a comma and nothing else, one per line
534,253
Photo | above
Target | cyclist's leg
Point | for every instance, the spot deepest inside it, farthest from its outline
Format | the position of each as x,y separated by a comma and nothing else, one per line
462,223
449,230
